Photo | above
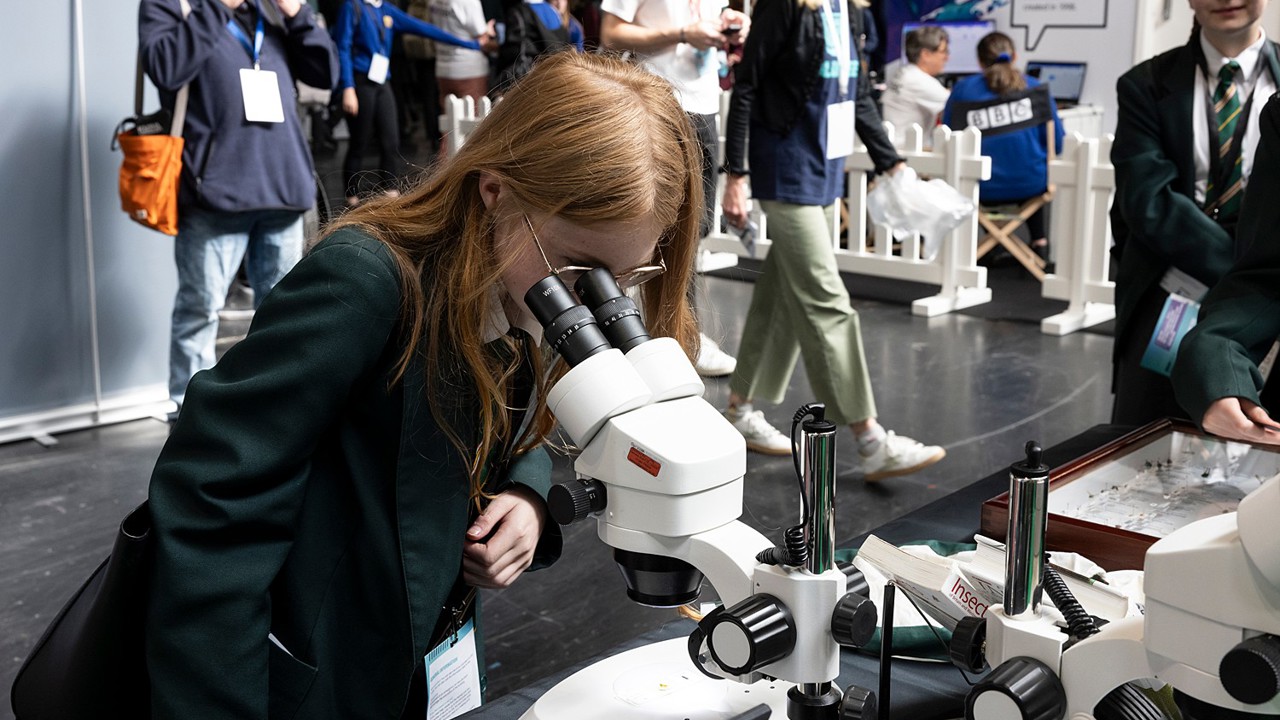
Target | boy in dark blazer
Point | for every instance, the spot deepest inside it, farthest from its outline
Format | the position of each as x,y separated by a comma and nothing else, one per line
1168,215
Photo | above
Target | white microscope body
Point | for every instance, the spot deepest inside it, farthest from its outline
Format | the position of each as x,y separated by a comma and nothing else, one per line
1211,628
661,471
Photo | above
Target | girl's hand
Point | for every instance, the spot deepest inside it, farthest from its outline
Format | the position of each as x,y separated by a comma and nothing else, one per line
501,542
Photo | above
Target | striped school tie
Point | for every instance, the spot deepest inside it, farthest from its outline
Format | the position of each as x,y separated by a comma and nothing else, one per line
1227,109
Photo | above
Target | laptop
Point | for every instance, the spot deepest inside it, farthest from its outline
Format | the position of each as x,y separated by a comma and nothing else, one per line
1065,80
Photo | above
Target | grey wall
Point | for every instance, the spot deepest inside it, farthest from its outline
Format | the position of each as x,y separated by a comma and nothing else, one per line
45,305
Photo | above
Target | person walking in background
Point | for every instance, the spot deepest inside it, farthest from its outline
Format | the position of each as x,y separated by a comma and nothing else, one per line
371,453
799,80
1183,153
246,169
364,32
1217,376
1020,158
680,40
533,29
914,95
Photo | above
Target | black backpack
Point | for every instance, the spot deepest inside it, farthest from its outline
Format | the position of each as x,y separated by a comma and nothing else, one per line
527,38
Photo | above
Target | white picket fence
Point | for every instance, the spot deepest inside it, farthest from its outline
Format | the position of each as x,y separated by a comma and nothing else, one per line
1080,228
459,117
1081,232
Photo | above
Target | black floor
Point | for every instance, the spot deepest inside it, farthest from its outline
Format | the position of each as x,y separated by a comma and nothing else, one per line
979,383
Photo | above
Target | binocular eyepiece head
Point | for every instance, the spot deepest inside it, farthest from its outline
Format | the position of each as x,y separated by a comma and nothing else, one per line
598,317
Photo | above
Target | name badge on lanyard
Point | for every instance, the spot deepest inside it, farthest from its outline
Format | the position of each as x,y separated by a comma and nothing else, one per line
840,115
380,62
453,675
260,89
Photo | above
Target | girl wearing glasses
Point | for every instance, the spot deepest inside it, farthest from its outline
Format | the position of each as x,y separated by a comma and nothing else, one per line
340,483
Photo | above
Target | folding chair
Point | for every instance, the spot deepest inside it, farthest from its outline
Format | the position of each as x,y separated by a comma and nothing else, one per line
1020,111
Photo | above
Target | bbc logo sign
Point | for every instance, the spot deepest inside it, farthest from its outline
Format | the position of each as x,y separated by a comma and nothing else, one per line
1001,115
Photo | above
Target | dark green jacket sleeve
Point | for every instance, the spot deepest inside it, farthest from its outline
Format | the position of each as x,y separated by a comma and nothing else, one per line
229,483
1240,317
1166,222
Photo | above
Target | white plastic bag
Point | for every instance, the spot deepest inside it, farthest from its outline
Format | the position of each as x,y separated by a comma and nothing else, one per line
909,205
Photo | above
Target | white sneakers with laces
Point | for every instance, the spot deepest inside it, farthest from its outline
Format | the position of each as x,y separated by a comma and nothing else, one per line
889,456
712,361
895,455
760,435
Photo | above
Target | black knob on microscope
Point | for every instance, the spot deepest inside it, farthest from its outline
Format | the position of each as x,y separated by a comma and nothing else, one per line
571,501
858,703
1020,687
751,634
1250,671
853,621
968,644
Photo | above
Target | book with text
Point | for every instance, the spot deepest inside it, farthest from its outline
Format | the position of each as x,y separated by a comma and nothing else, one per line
935,583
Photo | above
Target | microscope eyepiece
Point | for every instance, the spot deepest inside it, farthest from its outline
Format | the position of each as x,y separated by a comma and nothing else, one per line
617,314
569,327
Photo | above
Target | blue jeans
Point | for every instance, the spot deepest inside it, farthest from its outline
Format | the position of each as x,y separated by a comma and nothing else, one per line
208,251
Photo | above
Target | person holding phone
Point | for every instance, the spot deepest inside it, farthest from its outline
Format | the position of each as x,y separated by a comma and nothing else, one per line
680,41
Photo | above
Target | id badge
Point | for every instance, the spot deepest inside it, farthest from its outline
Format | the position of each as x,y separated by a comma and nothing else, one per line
840,130
453,675
261,93
1176,320
379,64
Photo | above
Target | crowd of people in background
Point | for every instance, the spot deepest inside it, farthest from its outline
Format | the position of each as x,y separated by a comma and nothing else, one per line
392,63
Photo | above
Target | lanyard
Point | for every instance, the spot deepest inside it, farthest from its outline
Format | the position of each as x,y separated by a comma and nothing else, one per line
839,31
255,48
383,30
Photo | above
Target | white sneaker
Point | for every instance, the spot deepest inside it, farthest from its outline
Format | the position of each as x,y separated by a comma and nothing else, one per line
761,436
898,455
714,362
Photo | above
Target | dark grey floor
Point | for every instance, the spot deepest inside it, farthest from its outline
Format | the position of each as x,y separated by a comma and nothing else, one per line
978,383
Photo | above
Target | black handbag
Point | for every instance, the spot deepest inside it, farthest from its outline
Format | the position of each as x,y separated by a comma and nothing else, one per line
91,661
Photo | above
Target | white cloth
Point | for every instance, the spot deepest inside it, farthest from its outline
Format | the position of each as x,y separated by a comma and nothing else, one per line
695,75
464,19
1257,82
913,96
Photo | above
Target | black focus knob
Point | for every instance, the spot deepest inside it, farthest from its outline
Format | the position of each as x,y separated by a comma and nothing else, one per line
853,621
1250,671
755,632
571,501
968,643
1021,687
858,703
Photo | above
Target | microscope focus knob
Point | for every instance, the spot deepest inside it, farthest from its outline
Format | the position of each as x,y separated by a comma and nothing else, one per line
968,644
1021,688
755,632
853,621
1250,671
858,703
571,501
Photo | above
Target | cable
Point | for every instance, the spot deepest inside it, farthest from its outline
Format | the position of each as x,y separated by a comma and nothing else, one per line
1079,622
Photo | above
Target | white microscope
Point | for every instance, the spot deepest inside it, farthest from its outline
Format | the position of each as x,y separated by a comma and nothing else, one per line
1211,627
662,471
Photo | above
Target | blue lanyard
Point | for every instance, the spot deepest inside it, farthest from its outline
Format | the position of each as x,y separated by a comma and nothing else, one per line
255,48
384,32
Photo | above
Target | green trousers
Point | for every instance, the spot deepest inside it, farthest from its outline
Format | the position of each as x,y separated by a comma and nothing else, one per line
800,308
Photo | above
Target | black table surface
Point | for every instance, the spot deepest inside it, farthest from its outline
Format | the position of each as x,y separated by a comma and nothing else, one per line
920,690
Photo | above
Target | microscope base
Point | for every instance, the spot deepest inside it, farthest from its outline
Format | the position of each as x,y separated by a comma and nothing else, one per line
654,681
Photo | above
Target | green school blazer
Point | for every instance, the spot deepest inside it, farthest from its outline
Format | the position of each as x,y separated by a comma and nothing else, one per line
1240,317
304,494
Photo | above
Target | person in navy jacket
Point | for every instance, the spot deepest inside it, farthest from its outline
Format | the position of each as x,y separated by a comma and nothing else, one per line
364,31
246,169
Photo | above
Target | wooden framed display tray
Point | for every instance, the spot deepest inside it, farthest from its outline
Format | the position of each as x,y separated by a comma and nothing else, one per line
1111,504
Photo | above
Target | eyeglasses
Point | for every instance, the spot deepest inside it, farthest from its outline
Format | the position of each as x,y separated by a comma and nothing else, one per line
570,273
